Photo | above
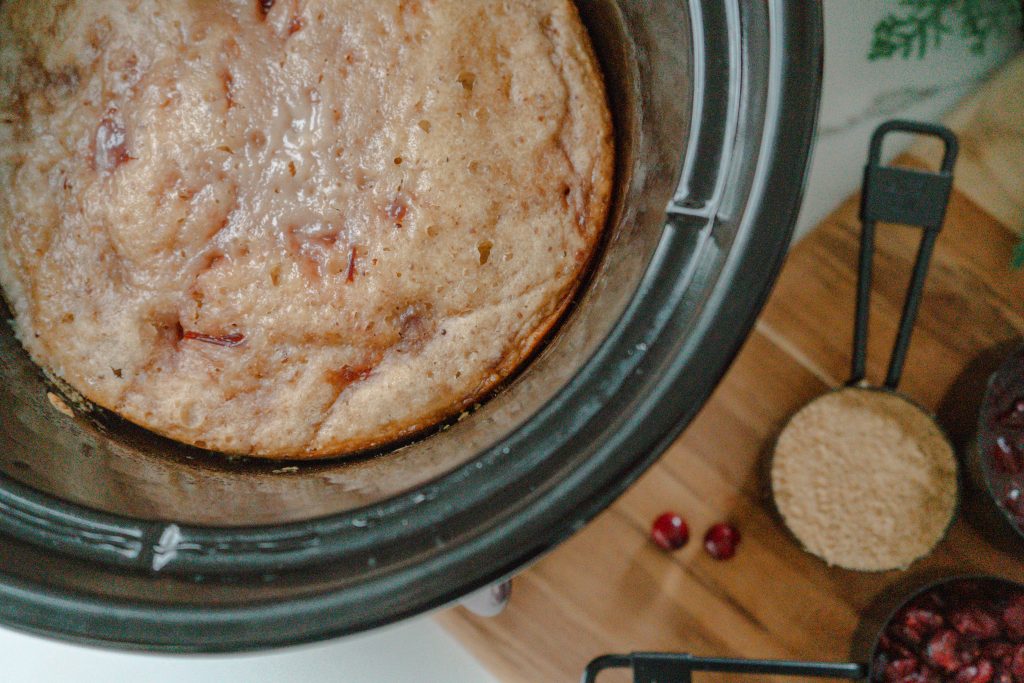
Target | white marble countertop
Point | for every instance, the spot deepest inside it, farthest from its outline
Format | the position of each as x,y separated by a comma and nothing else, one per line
857,96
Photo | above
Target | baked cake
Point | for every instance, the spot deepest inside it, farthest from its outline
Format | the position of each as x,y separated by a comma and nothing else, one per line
300,228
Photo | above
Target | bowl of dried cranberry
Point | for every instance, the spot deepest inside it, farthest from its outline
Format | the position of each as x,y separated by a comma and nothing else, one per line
956,630
997,461
962,630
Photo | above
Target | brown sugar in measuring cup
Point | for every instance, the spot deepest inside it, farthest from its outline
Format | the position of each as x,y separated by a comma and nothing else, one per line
864,477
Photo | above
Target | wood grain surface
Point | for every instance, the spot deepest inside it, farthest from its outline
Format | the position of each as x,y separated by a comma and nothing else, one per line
609,589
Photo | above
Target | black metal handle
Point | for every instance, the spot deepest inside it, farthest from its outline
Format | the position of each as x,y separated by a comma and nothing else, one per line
911,197
655,667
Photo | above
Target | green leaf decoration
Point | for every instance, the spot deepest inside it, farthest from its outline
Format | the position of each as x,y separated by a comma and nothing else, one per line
1018,255
920,26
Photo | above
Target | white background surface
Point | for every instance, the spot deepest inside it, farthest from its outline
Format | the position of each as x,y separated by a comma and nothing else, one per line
856,97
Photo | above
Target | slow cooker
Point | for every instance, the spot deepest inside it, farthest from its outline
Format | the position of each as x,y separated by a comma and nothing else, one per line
111,535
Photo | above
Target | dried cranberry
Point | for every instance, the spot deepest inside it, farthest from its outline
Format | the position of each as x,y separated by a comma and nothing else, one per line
1014,417
353,259
923,675
997,652
974,622
941,650
1013,620
721,540
670,532
976,673
1002,676
1016,664
916,624
899,669
1013,499
894,647
228,340
1004,456
970,651
397,210
110,146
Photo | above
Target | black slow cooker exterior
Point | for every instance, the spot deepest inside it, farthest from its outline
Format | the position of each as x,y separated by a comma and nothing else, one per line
746,77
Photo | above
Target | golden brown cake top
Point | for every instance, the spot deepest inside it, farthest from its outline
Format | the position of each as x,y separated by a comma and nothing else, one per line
295,228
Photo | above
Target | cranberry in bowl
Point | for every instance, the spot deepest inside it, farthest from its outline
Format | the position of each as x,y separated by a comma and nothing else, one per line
999,457
962,630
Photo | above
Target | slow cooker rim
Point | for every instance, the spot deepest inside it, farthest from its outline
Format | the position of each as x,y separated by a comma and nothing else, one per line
36,608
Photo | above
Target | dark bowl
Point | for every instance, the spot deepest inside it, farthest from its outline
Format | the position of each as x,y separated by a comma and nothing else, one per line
112,535
994,469
984,586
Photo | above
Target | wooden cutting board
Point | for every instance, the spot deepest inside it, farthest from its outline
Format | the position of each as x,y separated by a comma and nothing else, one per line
608,589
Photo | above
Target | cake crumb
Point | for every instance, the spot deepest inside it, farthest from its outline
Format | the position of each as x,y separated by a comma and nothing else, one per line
58,403
865,480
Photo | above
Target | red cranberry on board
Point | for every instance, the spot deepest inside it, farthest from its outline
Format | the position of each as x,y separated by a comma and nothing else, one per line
721,540
941,650
670,532
981,672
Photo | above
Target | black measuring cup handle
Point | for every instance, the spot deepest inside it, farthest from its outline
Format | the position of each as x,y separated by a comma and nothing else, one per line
658,667
907,196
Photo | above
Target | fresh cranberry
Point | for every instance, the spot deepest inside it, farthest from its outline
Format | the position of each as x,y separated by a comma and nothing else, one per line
1013,620
941,650
721,540
670,532
976,673
974,622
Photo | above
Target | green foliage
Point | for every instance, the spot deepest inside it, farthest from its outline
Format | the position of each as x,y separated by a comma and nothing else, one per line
1018,256
920,25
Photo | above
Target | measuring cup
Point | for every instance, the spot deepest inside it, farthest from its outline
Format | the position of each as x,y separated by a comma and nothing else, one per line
895,195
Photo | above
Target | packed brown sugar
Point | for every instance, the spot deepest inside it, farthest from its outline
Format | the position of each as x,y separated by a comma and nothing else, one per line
865,480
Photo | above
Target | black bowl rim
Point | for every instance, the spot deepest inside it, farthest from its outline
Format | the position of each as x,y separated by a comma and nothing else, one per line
671,392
